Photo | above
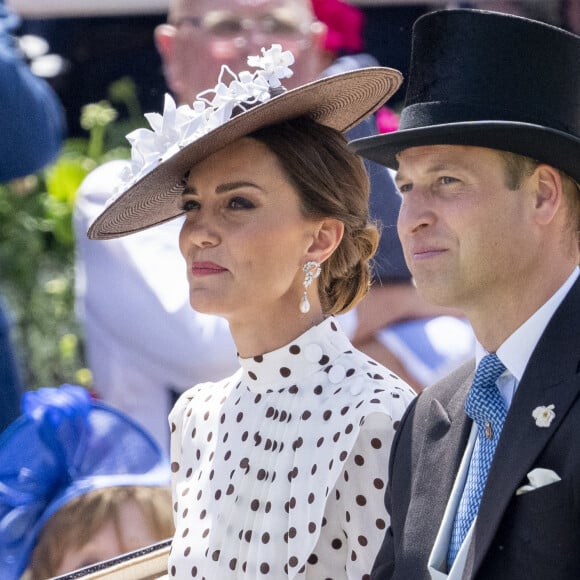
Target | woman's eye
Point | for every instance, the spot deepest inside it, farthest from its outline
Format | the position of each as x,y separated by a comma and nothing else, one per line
189,205
240,203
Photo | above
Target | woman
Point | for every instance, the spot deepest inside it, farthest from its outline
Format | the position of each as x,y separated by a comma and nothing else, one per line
80,482
278,471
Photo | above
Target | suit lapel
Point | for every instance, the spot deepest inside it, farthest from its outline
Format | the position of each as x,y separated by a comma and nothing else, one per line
439,457
551,377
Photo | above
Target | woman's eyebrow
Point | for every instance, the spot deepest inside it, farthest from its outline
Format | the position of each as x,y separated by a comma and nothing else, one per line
223,187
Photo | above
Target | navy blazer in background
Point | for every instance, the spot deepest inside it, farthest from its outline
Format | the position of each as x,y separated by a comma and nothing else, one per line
32,123
32,128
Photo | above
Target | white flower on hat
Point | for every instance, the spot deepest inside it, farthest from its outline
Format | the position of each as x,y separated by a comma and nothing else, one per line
179,126
149,148
275,62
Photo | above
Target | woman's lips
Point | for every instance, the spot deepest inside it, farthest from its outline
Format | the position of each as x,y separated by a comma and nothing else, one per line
206,269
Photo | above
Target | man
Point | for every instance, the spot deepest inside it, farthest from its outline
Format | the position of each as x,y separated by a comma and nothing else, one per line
201,35
488,165
130,288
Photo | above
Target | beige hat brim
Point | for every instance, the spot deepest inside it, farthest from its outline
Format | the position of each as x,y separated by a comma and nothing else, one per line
340,101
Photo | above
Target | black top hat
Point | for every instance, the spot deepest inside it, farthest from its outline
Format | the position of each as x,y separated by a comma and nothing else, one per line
490,80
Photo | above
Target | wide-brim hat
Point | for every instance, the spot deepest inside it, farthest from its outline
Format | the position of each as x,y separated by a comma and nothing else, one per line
340,101
64,445
492,80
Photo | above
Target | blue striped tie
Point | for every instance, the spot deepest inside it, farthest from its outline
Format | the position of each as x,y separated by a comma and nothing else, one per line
486,407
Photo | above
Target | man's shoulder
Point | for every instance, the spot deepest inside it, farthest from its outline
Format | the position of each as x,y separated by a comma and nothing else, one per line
444,389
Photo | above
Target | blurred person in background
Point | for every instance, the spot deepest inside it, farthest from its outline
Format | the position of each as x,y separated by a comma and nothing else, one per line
145,345
81,482
33,128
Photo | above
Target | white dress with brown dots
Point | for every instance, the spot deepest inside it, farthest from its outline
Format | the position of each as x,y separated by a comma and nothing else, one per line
279,471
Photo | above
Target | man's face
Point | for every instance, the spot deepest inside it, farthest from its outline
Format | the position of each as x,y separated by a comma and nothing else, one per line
204,34
468,239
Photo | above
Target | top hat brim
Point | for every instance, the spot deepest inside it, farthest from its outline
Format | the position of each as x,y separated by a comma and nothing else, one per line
492,80
546,145
340,101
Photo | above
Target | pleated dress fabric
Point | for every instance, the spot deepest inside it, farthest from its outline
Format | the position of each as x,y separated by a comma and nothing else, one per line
279,471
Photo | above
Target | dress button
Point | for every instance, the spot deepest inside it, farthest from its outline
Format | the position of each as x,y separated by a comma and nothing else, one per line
356,387
336,374
313,352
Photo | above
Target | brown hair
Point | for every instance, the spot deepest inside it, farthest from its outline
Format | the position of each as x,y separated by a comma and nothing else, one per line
73,525
332,183
518,167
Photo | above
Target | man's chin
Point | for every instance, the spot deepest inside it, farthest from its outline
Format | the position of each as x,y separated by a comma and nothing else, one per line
438,294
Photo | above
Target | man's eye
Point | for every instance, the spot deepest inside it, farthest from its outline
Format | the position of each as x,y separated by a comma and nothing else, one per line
404,187
446,180
225,27
271,25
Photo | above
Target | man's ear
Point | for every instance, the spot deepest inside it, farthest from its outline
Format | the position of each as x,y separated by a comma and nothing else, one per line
549,193
164,35
327,237
318,32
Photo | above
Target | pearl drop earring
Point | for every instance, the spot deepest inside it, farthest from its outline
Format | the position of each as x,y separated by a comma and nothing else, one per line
311,272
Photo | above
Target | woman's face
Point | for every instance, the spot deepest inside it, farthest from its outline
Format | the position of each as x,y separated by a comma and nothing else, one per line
134,533
244,238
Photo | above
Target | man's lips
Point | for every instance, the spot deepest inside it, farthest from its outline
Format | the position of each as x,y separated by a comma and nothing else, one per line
206,269
425,253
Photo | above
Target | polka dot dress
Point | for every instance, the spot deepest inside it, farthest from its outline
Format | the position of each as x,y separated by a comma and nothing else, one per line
279,471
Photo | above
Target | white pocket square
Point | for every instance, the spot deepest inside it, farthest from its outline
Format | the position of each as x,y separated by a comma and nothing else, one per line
538,477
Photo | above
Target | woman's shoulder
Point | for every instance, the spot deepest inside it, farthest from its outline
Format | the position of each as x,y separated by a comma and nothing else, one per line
370,374
203,392
371,387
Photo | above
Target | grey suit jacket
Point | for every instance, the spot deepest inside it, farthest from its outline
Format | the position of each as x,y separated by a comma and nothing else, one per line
536,535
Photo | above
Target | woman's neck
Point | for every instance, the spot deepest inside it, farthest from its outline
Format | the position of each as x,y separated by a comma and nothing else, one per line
263,333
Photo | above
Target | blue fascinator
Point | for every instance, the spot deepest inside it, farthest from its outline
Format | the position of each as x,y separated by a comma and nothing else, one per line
65,445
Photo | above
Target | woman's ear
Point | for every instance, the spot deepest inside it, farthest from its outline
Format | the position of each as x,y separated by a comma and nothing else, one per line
326,238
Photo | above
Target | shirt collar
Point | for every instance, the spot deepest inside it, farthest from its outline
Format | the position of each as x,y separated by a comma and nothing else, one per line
517,349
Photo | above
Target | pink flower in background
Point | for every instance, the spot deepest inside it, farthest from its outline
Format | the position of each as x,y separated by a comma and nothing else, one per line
344,22
387,120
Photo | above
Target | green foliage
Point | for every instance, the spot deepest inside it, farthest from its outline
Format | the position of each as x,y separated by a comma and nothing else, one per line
37,245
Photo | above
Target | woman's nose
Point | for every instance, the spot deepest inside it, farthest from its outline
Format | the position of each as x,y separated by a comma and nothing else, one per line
200,231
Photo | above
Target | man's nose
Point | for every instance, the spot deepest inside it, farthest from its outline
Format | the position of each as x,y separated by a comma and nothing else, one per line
414,214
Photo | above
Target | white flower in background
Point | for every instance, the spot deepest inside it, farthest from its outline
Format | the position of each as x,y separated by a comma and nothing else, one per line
543,415
179,126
